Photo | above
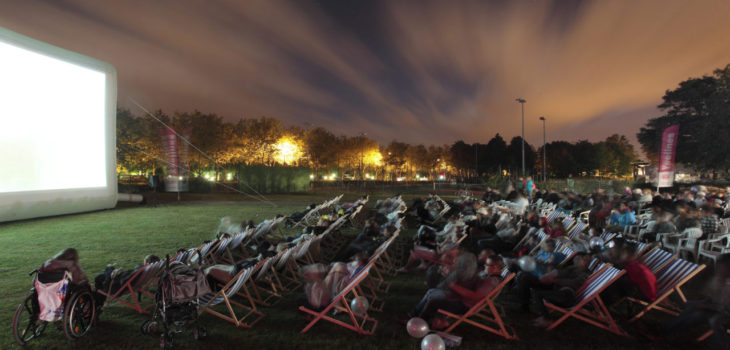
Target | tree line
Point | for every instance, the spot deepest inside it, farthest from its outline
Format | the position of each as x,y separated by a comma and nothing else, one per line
267,141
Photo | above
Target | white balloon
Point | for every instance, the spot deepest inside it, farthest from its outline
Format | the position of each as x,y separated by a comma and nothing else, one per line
527,263
417,327
596,242
432,342
359,305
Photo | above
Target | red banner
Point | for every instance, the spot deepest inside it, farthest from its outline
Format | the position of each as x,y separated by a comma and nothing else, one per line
665,173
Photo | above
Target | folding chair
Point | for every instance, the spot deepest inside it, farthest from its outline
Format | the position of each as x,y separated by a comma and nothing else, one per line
285,272
590,307
225,296
139,279
669,280
357,322
263,284
484,313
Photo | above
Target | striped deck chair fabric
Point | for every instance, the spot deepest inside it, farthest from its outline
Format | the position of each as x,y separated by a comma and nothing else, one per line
484,314
669,281
357,322
657,259
607,236
589,294
577,228
225,296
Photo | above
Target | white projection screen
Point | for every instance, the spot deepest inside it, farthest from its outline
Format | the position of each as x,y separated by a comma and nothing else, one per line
57,130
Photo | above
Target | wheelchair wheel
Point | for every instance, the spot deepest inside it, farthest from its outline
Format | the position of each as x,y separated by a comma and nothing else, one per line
26,324
78,316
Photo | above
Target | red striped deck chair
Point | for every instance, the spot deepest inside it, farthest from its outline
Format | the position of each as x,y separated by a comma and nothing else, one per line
484,314
359,323
148,278
236,286
657,259
129,293
669,281
589,307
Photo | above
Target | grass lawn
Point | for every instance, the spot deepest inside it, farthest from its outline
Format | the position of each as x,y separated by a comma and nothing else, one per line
128,233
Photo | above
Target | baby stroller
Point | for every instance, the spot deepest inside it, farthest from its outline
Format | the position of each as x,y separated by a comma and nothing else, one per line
176,307
54,299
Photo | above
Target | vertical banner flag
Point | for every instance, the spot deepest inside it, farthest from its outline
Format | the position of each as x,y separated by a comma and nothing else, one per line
665,173
173,172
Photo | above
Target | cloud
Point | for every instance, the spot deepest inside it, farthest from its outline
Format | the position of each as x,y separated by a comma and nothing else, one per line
427,72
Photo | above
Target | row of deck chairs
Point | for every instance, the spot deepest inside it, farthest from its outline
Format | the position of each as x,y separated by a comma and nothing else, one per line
313,215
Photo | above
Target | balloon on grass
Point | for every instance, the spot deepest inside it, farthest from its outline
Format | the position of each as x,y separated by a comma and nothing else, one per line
432,342
417,327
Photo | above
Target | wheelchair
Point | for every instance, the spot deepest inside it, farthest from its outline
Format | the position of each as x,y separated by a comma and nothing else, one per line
76,319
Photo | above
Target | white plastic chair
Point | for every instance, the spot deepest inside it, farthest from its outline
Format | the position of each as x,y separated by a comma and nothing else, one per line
713,248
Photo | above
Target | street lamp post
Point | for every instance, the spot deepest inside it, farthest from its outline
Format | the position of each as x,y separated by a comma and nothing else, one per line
522,102
544,153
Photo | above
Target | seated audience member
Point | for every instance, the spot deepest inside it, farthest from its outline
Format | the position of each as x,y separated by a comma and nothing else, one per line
323,282
710,223
638,282
112,278
562,286
555,229
220,274
547,258
461,289
569,278
621,216
712,311
426,250
65,260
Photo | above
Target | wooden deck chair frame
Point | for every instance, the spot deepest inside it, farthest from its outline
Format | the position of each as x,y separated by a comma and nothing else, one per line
376,282
359,323
669,281
236,286
484,314
147,271
281,274
263,285
599,316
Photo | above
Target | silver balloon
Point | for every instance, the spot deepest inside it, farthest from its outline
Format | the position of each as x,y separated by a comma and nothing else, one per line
596,242
611,244
527,263
359,305
432,342
417,327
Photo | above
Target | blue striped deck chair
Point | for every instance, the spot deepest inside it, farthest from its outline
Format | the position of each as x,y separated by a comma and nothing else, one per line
568,222
607,236
567,251
657,259
236,286
361,323
217,254
641,247
532,231
484,314
579,227
553,215
504,219
590,307
596,265
197,257
668,281
285,276
263,284
541,237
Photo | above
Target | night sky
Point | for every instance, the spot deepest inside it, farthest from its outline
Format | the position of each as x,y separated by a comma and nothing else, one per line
417,71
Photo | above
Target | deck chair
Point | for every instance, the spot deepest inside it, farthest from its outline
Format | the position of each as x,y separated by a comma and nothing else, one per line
578,228
130,292
669,280
657,259
484,314
590,307
607,236
713,248
360,323
567,251
285,270
263,284
236,286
